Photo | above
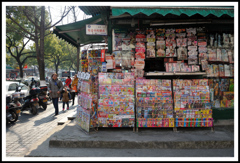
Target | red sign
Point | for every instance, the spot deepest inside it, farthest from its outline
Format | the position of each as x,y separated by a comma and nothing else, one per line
102,55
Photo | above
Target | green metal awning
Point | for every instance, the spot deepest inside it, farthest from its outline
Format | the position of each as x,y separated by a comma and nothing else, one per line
74,31
202,10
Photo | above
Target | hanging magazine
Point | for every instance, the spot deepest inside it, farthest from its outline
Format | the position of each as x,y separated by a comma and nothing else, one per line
118,58
171,51
182,53
160,34
204,64
126,59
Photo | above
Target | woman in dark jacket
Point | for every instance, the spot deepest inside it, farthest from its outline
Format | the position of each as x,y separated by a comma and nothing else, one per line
55,88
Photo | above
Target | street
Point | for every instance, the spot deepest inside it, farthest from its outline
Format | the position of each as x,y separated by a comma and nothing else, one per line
29,138
29,128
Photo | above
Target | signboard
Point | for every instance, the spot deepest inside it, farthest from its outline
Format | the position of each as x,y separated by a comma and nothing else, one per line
95,29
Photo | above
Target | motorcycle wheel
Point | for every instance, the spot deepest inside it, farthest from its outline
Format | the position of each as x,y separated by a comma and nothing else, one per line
14,116
33,110
44,106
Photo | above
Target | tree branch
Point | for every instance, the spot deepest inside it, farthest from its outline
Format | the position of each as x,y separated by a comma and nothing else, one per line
50,16
21,32
29,18
8,14
32,56
60,19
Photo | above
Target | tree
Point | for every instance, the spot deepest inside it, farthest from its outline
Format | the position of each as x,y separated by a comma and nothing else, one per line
35,16
56,51
17,51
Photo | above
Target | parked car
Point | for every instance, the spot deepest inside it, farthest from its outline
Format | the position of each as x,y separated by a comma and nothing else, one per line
11,88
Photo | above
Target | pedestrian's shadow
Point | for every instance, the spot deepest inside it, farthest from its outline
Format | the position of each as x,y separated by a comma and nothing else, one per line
45,120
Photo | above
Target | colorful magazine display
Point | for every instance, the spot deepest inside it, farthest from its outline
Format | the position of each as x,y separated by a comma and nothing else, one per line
116,103
154,103
192,103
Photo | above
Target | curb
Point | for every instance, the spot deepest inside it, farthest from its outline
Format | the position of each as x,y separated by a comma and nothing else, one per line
142,145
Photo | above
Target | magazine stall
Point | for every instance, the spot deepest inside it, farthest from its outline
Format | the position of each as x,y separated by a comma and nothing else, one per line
180,66
86,117
187,53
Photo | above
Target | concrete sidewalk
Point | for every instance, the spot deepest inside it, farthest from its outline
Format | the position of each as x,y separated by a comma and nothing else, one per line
71,136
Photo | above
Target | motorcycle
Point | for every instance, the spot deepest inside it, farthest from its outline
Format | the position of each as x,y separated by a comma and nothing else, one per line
18,97
31,102
12,110
43,97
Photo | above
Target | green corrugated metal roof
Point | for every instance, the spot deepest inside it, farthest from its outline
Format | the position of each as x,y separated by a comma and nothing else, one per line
94,10
202,10
77,30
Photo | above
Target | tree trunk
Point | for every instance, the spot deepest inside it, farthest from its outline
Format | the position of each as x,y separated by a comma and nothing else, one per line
56,68
20,68
41,55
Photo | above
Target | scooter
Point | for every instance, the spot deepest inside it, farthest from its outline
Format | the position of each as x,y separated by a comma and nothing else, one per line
12,110
31,102
18,97
43,97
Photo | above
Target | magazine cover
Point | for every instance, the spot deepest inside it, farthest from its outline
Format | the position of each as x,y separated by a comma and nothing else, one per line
221,70
202,49
204,64
227,70
212,54
150,53
230,56
182,30
224,85
171,51
216,88
160,34
202,42
117,43
181,42
126,44
193,60
195,68
231,85
160,53
181,35
192,41
216,70
224,55
171,42
126,59
191,31
182,53
118,57
231,67
219,55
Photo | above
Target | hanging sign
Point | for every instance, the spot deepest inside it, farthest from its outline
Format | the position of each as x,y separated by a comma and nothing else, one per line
95,29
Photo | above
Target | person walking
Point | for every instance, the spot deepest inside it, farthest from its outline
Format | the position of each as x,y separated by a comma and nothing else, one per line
65,98
68,81
74,87
55,88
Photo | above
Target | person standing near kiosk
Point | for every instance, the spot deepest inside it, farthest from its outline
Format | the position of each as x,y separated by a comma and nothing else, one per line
55,88
74,87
